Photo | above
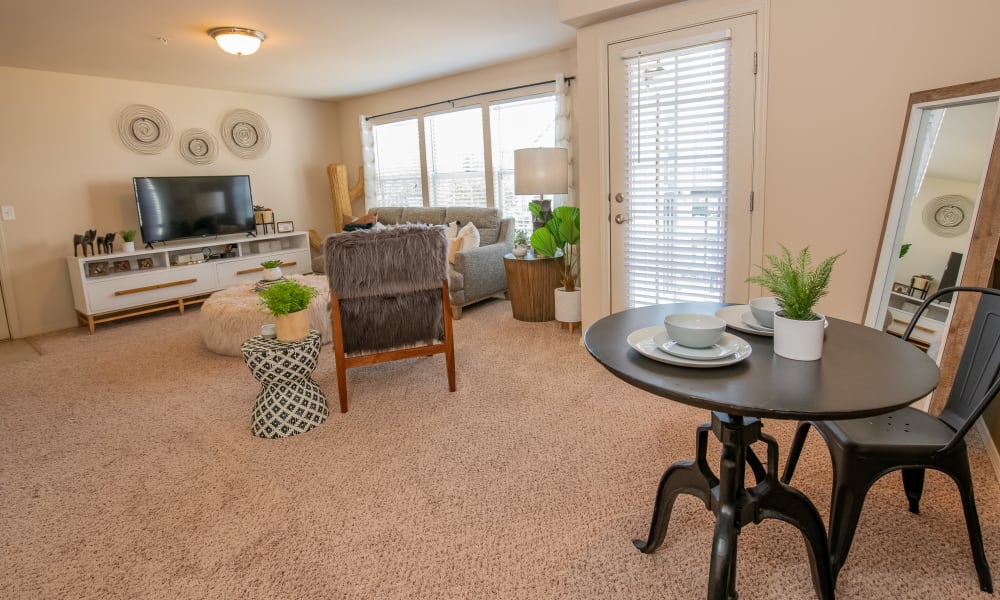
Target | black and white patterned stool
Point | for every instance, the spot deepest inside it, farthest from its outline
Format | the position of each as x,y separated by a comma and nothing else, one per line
289,401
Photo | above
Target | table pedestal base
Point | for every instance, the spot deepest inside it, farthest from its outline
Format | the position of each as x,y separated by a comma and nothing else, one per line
735,506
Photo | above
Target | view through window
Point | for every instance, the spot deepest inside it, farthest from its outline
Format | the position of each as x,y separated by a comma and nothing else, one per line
456,157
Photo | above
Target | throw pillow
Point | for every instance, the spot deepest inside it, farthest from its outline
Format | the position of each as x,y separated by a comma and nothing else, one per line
452,230
466,239
365,220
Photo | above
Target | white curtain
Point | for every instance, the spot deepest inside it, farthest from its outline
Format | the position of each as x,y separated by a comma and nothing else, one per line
368,160
564,134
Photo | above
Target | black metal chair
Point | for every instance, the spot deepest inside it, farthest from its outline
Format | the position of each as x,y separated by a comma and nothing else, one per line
910,440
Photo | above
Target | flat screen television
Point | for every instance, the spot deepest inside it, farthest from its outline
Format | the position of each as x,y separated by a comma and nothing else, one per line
173,208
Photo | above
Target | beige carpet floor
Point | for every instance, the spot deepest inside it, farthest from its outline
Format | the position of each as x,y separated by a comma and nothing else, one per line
127,470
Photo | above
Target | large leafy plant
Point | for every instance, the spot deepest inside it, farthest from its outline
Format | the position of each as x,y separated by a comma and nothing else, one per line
561,232
795,283
286,297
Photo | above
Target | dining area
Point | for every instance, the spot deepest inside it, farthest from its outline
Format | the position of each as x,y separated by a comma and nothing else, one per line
857,395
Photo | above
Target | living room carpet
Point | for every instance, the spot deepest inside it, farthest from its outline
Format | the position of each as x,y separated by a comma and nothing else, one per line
127,470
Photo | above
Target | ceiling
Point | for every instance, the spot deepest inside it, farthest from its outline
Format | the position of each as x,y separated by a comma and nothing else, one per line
963,143
320,49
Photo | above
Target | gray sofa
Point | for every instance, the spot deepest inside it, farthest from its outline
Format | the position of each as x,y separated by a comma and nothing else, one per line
478,273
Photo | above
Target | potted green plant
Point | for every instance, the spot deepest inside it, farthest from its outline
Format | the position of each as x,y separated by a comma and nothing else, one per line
561,233
272,270
521,243
797,286
128,240
287,301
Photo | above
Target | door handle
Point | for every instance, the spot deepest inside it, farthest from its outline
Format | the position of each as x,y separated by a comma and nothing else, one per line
621,218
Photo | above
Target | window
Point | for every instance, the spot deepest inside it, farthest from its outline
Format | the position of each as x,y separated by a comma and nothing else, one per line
456,159
519,124
397,162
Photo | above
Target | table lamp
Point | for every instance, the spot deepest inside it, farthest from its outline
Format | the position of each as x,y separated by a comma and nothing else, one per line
541,171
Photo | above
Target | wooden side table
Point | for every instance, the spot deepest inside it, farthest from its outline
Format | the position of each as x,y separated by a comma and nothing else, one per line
530,284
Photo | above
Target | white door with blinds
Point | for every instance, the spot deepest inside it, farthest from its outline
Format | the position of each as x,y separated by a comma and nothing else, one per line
681,164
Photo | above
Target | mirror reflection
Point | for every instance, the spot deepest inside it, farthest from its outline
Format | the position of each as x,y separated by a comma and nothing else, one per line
930,223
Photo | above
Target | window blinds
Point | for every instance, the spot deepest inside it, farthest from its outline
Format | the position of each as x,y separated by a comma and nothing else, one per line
675,174
397,164
518,124
456,167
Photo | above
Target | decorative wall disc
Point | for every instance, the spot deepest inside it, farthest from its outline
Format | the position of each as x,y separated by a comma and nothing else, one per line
948,216
198,147
245,133
144,129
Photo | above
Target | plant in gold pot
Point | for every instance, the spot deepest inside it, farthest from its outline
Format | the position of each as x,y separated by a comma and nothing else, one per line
797,286
287,301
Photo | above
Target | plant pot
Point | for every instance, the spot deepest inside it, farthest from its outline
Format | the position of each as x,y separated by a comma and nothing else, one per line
798,340
568,306
520,251
272,274
292,327
128,246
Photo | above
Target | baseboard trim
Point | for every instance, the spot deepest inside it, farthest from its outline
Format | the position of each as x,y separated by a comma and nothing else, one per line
991,449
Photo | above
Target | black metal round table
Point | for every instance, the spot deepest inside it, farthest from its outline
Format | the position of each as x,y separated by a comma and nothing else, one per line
863,372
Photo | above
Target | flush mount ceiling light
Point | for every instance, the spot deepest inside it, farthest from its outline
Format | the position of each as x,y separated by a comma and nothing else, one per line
237,40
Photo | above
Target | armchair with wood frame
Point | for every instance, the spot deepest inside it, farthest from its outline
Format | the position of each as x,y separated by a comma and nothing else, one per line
389,297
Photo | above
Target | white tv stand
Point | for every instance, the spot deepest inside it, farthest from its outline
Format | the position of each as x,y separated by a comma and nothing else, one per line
108,287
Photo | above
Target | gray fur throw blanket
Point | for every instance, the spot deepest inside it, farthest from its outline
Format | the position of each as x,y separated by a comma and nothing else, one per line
389,282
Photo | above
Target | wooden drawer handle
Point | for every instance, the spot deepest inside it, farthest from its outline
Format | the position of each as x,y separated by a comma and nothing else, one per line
158,286
259,269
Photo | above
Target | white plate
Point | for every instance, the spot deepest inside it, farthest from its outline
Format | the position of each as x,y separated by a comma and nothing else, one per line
751,321
642,341
726,346
732,316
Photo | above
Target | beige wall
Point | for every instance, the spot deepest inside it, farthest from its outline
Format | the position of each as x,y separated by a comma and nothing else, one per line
64,169
530,70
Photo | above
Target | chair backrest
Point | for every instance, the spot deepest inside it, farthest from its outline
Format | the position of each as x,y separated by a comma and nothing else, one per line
388,283
977,379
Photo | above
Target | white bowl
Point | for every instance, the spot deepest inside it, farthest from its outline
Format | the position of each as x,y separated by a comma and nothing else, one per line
763,310
694,330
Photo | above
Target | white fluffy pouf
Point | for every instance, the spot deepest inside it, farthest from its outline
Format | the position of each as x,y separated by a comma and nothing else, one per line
234,315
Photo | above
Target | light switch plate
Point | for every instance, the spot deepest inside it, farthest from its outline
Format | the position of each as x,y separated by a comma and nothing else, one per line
7,212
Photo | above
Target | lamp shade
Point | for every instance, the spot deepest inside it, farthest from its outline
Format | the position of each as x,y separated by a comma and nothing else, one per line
541,171
237,40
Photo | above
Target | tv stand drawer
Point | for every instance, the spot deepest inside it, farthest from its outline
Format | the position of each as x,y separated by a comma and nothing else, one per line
123,292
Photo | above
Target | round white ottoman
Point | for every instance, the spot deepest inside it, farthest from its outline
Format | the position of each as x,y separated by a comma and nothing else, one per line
234,315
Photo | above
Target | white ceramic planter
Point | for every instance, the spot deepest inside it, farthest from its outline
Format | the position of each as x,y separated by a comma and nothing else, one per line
128,246
798,340
568,306
272,274
519,251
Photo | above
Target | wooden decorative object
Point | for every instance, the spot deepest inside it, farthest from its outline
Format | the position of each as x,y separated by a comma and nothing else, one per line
343,195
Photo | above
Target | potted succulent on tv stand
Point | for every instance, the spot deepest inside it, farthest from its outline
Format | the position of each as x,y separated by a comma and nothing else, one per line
562,233
797,286
272,270
288,301
128,240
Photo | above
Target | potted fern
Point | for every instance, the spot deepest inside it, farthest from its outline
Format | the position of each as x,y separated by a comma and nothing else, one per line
797,286
287,302
561,233
272,270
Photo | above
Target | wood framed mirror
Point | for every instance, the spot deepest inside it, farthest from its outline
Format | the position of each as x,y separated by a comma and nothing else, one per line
940,226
